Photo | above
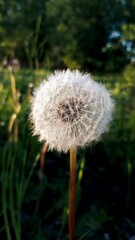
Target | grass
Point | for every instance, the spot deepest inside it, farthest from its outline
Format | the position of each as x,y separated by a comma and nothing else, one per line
105,202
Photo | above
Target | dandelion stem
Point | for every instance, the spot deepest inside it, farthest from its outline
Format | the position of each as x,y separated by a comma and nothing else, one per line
42,160
42,163
72,190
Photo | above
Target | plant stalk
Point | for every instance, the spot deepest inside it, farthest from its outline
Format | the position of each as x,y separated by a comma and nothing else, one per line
42,160
72,193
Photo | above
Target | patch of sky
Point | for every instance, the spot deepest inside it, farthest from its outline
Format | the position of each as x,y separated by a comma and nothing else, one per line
114,34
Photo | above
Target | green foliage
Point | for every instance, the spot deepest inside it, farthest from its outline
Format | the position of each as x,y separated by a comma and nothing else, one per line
91,223
105,172
129,31
61,34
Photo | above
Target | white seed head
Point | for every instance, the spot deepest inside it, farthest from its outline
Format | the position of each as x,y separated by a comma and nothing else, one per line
70,110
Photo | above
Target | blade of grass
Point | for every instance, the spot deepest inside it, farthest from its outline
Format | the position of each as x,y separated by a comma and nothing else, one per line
4,195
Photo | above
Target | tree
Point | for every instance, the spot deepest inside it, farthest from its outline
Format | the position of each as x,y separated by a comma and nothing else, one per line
92,35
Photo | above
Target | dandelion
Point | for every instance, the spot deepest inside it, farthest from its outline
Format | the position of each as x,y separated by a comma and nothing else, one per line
68,111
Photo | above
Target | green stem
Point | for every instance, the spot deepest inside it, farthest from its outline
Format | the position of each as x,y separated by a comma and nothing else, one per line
4,197
12,199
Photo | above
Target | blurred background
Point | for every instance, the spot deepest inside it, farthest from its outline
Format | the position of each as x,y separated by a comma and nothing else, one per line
36,38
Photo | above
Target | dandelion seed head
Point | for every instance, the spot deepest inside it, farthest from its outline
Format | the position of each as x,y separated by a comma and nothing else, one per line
69,109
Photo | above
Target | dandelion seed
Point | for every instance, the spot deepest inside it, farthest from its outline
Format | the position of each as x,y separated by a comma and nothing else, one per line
70,110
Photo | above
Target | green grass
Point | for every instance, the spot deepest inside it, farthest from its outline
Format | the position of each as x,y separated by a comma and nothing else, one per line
30,212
